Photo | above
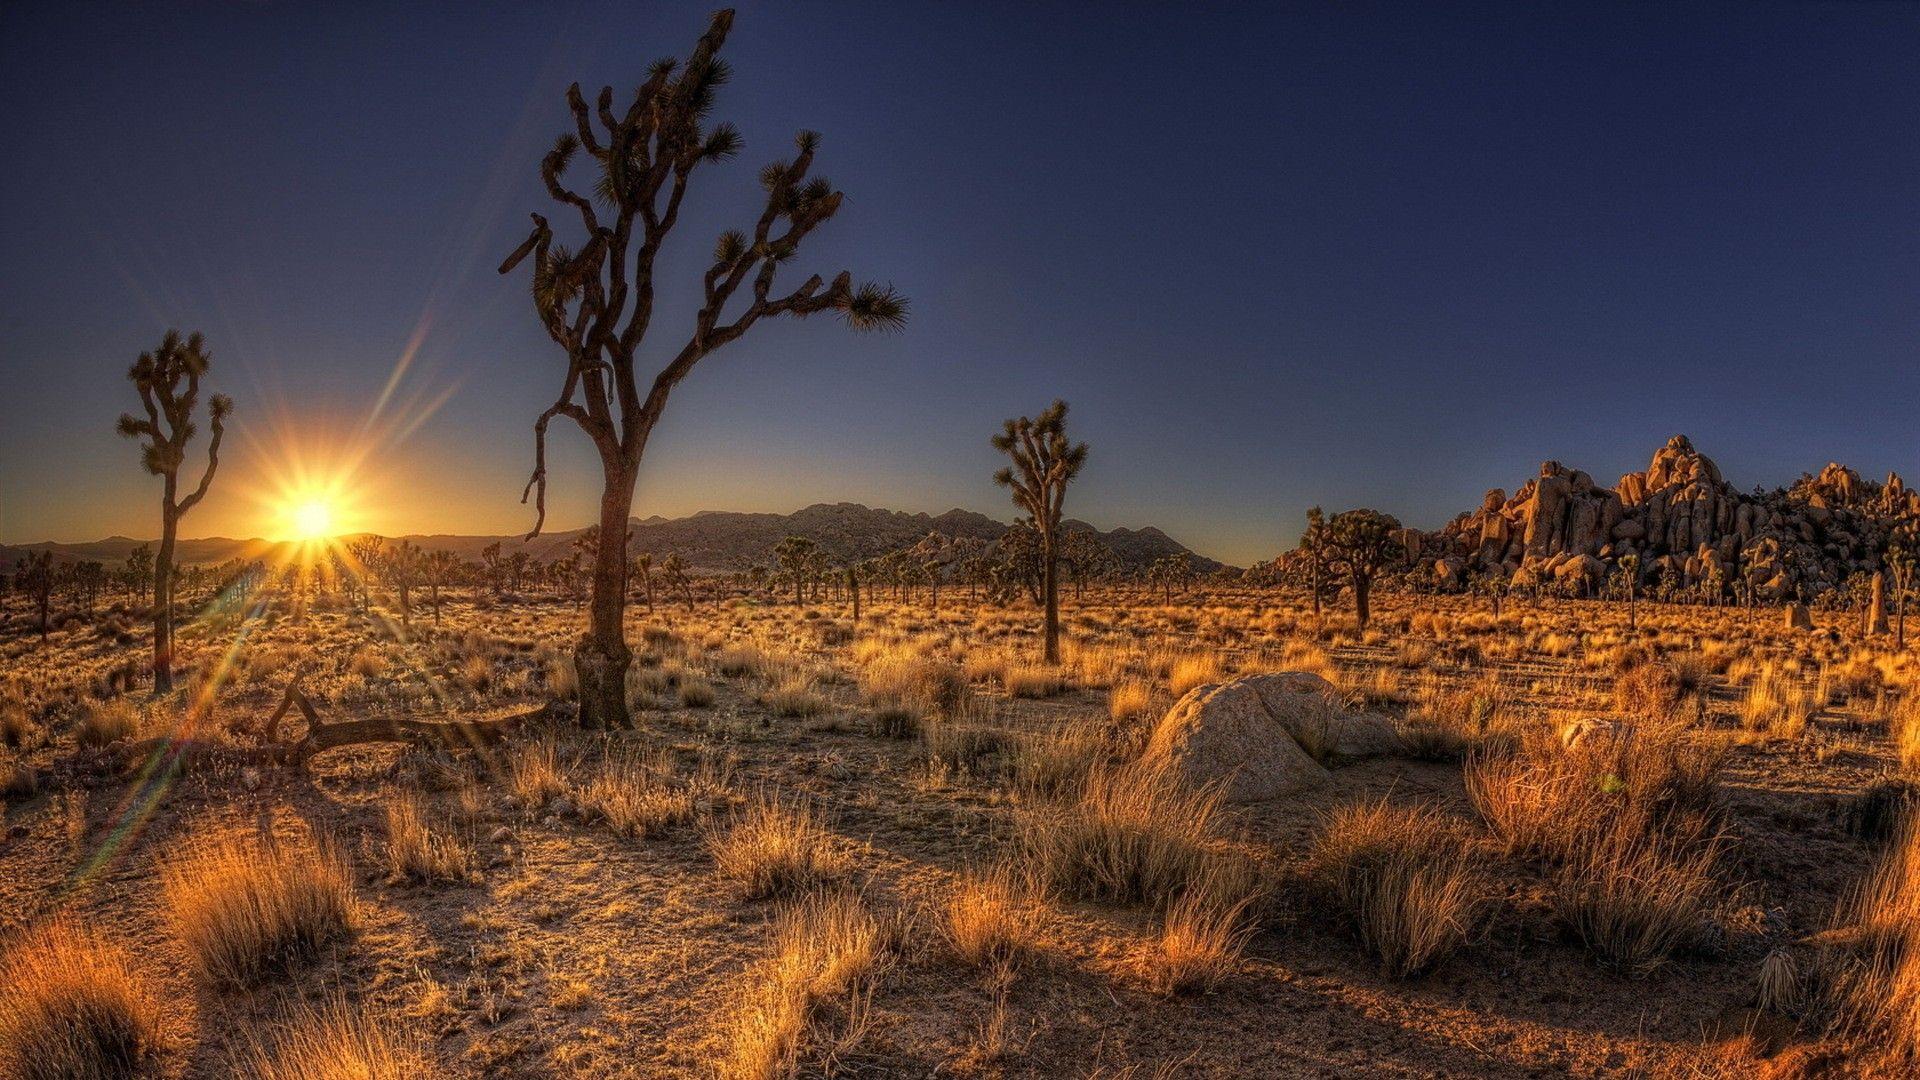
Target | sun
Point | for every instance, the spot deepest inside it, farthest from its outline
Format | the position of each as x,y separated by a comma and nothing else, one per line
312,519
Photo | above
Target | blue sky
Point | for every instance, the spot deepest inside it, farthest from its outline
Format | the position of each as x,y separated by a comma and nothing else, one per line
1274,255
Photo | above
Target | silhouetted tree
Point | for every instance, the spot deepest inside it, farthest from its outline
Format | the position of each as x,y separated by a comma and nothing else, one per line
168,380
1900,574
495,564
1044,462
643,566
36,580
1313,548
597,303
365,555
1358,544
793,554
438,568
138,570
674,570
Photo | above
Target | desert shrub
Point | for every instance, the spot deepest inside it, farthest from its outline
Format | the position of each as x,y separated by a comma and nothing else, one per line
809,997
991,920
1188,672
1134,834
634,796
1778,704
72,1007
1878,811
337,1042
1634,895
18,780
246,906
103,723
967,742
794,698
17,728
1035,681
1867,987
900,679
736,661
1055,763
1201,937
775,848
1130,702
534,776
696,693
417,851
1404,880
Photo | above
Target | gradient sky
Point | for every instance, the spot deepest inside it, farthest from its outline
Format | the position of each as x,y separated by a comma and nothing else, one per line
1274,255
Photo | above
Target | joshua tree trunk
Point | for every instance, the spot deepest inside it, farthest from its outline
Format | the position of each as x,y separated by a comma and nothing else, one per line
1362,611
602,657
1050,571
853,590
163,595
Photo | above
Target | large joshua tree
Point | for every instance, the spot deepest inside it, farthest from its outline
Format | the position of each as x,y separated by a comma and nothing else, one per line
1360,543
1044,462
596,301
168,380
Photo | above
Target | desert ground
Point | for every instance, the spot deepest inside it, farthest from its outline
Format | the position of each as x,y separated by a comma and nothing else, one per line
903,847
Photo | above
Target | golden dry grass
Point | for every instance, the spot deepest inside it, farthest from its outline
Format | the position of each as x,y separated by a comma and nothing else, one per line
73,1007
337,1042
244,906
776,848
1404,881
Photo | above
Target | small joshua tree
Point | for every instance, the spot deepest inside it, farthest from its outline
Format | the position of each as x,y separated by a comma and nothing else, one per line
37,580
168,380
643,566
1044,462
596,301
1313,547
793,554
1359,543
1630,572
439,567
673,570
1900,571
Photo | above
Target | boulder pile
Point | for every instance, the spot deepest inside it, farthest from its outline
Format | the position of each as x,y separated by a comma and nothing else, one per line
1688,527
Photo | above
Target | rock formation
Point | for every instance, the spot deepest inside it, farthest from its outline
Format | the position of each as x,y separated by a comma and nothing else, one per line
1688,526
1247,735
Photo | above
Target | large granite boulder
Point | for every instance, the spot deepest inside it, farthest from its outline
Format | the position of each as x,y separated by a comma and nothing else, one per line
1249,735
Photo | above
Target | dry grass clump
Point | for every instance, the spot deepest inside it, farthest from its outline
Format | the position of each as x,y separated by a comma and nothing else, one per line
736,661
1634,894
992,920
1130,702
1404,879
416,851
794,698
533,775
775,848
696,692
17,729
246,906
1034,681
1630,829
73,1008
1904,726
1197,669
1867,983
809,999
632,795
1778,704
1449,723
1056,763
103,723
1134,834
338,1042
1203,935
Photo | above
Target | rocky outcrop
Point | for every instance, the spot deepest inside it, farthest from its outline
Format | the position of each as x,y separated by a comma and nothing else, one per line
1248,735
1687,526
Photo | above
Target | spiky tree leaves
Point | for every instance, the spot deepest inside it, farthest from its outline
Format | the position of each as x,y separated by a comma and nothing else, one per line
596,299
1359,543
168,381
1045,461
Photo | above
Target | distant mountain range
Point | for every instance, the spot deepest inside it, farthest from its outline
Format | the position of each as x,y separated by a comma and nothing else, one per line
710,541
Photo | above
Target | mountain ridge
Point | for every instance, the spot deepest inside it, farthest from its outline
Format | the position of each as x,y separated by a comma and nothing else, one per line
710,541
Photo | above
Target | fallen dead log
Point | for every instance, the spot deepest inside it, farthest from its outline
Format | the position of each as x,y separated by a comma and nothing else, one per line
167,753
